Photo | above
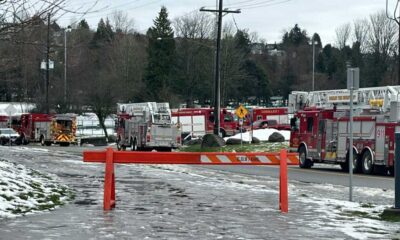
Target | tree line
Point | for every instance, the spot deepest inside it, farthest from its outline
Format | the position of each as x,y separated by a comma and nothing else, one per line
174,61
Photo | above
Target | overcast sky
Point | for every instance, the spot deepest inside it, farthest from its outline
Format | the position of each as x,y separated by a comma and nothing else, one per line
269,18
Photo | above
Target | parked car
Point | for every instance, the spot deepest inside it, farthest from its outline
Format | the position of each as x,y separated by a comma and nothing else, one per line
7,135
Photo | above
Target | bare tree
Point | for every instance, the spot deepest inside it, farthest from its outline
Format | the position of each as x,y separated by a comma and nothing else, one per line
122,23
197,25
382,37
14,14
342,35
195,56
360,33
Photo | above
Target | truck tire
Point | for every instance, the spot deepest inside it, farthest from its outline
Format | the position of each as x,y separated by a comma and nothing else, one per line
119,147
63,144
42,142
356,163
367,165
304,162
134,146
222,132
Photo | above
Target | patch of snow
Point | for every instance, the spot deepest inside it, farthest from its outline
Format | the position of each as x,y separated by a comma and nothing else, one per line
261,134
23,190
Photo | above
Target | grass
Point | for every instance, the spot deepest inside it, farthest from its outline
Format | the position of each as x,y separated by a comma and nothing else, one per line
390,216
254,147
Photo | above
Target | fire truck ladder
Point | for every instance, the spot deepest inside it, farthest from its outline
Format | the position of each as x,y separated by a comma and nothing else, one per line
378,98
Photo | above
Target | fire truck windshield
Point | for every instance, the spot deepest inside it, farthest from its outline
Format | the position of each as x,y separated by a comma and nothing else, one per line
162,119
64,123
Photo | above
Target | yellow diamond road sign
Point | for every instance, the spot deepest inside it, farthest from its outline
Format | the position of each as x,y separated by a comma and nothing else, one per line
241,111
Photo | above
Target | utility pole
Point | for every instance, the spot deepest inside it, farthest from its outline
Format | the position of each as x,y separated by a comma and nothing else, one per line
217,80
47,64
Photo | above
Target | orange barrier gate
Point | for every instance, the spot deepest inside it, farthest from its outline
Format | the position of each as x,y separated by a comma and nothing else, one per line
109,157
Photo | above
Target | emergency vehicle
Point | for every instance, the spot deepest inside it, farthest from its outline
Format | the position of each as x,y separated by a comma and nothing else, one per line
4,121
278,114
146,126
197,122
320,127
47,128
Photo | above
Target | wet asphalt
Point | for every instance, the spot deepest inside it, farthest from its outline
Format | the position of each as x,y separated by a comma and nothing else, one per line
166,202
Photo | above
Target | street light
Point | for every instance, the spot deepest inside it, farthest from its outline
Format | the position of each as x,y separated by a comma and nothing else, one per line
313,62
68,29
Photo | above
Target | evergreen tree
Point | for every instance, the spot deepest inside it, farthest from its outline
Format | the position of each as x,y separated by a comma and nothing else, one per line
103,35
83,24
295,37
161,58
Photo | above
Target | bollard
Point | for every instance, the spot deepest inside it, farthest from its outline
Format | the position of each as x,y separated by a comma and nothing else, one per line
109,181
283,184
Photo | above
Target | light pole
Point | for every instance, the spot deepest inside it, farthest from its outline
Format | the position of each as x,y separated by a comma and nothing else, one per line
68,29
313,63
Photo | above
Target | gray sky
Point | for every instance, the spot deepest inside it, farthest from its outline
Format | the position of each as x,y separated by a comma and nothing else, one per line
269,18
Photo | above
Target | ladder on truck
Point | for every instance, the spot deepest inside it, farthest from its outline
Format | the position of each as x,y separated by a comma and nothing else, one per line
378,98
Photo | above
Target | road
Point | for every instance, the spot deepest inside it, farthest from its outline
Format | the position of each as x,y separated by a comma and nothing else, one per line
319,173
194,202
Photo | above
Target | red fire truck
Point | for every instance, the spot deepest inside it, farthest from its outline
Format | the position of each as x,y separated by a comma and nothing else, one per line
278,114
320,134
4,121
200,121
46,128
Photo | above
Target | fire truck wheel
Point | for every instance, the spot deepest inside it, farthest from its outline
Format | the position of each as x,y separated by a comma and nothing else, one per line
222,133
366,163
390,171
119,143
304,161
356,163
23,140
134,146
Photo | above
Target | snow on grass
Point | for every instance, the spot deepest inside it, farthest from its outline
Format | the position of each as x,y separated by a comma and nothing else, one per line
23,191
261,134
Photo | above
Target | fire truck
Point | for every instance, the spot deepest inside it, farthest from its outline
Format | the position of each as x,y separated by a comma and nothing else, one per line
320,127
146,126
4,121
47,128
278,114
197,122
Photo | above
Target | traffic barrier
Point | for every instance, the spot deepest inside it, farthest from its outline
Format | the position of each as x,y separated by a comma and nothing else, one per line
109,157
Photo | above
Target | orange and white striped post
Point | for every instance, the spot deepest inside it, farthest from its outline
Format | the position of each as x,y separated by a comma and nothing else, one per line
283,183
110,157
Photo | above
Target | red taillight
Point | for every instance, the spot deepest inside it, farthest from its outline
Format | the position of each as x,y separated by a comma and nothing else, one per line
178,139
148,137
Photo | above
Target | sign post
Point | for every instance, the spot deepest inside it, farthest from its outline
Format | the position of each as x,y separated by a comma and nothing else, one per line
353,79
241,112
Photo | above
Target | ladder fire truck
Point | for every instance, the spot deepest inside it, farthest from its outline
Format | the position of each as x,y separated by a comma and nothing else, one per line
46,128
146,126
320,127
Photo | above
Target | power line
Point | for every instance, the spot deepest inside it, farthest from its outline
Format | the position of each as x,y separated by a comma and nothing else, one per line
268,4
